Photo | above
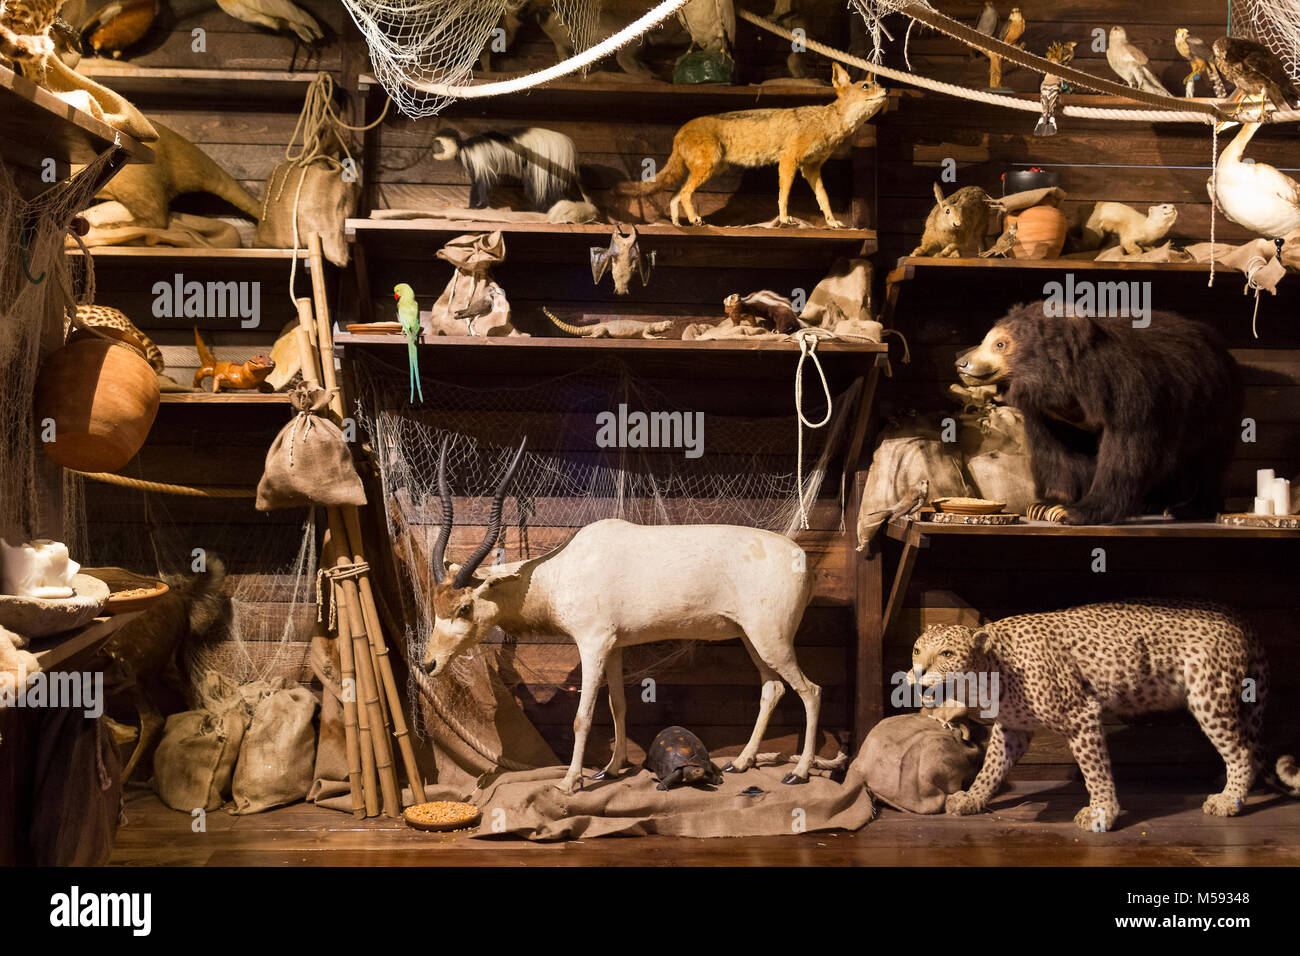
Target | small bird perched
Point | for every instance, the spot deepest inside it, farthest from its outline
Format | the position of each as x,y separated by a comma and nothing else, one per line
1255,71
408,314
1010,33
119,25
987,24
1130,63
278,15
1049,90
1201,60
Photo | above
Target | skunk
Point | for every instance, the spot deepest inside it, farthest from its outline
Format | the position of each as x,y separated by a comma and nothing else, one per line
544,161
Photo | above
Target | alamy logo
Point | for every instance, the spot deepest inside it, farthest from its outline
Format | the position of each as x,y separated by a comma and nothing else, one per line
75,908
626,429
179,299
1087,299
975,691
63,689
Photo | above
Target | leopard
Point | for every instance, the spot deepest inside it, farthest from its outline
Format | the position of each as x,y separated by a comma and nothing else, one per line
118,325
1063,669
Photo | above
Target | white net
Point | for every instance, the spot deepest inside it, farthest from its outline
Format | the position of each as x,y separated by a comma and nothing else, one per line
419,44
1274,23
566,479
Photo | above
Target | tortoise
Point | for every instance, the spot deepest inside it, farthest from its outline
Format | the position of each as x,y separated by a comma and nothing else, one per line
677,756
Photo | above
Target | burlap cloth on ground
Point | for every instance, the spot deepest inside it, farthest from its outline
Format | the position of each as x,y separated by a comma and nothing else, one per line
528,804
912,761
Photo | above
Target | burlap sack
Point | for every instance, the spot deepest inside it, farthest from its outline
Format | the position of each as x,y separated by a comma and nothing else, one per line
909,469
324,200
471,303
195,761
309,462
845,293
278,752
997,455
912,762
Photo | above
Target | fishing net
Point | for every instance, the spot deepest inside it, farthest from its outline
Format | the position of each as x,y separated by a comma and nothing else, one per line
1274,23
746,474
418,43
36,287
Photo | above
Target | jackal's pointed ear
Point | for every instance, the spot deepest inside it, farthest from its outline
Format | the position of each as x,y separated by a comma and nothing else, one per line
840,77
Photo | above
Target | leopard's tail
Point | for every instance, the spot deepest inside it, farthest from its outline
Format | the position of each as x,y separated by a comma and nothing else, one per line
1283,776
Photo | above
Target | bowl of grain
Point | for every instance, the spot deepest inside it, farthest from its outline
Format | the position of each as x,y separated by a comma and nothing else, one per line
969,506
441,815
128,591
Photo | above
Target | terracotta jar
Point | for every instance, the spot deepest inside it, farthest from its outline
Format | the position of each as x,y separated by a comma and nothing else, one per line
103,398
1040,232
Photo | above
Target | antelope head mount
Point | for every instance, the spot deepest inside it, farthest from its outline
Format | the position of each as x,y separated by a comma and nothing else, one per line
465,609
621,257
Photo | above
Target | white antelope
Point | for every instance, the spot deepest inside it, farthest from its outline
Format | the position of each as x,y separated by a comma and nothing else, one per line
615,584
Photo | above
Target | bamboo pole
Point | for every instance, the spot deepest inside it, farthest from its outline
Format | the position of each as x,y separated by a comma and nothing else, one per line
366,733
351,727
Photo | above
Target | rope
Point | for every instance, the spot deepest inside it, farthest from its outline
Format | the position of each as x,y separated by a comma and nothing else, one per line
807,349
165,489
565,67
1256,263
335,575
1007,102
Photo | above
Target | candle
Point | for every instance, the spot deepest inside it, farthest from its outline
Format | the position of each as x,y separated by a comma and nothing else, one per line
1263,506
38,569
1264,483
1281,496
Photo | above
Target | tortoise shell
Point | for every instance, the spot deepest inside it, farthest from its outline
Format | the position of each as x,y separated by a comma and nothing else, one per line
677,756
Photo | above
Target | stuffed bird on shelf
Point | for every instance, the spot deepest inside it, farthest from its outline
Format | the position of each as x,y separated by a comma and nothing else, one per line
1255,71
408,314
278,15
1255,195
119,25
1049,91
987,24
1200,60
1130,63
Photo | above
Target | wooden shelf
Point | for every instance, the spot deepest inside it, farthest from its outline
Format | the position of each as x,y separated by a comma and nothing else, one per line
900,530
39,125
57,650
225,398
180,84
133,255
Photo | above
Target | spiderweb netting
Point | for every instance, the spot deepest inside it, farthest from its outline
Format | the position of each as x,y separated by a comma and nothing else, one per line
566,479
265,572
35,291
439,41
1274,23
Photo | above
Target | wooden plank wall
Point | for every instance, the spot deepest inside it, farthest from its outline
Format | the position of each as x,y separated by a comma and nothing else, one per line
1137,163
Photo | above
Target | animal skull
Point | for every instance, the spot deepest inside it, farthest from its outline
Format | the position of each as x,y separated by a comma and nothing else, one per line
624,254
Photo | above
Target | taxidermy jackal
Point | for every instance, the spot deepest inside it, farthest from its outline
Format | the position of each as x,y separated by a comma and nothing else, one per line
801,138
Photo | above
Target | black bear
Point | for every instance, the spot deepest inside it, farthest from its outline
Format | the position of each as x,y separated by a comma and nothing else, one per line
1119,420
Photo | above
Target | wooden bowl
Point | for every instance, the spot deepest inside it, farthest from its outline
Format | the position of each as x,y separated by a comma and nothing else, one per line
463,816
102,397
121,580
969,506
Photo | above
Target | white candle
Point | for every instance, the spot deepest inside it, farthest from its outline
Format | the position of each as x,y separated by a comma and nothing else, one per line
1263,506
1281,496
1264,483
38,569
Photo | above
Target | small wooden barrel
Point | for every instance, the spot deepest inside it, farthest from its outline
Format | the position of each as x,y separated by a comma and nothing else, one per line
102,397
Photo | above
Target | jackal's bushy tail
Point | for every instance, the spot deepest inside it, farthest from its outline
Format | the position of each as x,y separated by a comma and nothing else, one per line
671,173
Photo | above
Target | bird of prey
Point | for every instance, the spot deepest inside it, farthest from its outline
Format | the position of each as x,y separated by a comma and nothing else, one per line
1200,60
278,15
408,314
1012,30
1130,63
1255,71
987,24
1049,91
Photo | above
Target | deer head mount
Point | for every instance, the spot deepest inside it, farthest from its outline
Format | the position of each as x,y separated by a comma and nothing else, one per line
621,257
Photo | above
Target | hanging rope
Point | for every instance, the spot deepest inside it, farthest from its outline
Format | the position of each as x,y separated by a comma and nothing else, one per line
1204,113
808,340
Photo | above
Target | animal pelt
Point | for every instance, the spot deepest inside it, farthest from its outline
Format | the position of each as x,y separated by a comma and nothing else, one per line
1118,420
142,659
147,189
766,309
543,161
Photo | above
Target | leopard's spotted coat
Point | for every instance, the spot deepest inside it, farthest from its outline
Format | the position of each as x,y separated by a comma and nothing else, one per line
112,320
1061,670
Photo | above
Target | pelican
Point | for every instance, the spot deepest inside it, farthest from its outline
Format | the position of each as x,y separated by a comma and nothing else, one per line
1256,195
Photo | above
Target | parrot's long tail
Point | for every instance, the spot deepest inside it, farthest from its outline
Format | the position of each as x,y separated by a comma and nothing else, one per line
413,359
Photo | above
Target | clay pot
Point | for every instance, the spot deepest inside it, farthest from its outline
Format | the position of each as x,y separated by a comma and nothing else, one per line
1040,232
103,398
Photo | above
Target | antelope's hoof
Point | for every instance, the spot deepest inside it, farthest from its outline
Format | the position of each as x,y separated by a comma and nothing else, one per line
602,775
792,778
732,768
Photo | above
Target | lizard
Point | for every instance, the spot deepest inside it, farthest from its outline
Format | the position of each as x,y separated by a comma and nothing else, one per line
613,328
251,374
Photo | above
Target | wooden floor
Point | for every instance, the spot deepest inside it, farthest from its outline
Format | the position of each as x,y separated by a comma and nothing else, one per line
1030,824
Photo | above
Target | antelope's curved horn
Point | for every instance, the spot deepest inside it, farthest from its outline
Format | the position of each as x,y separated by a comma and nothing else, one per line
444,533
494,523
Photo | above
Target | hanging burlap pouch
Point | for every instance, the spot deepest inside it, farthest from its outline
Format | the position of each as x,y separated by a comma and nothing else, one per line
309,462
323,200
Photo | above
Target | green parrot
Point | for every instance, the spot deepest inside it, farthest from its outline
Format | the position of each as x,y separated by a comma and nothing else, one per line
408,313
